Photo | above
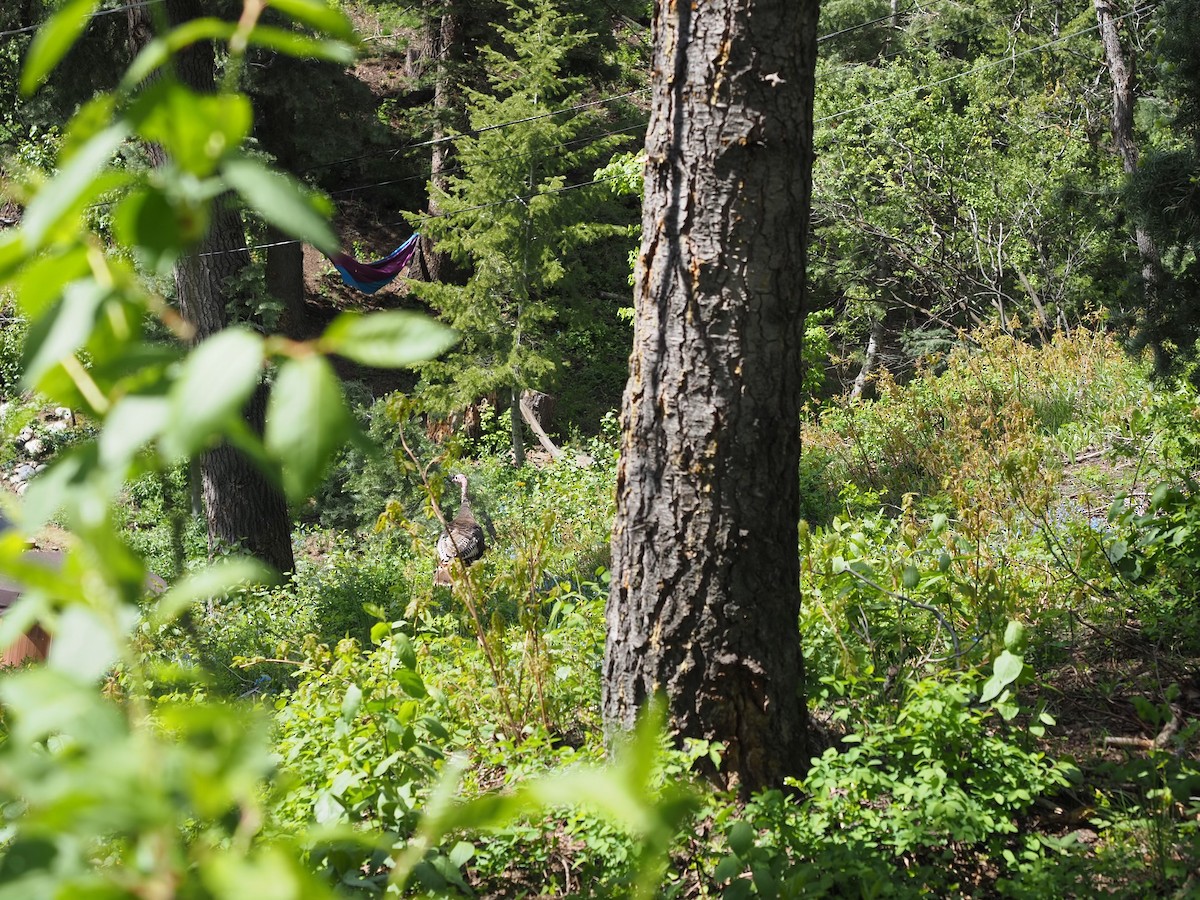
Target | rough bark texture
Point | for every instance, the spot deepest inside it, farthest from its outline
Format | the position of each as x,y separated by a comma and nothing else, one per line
705,597
285,281
243,509
1120,71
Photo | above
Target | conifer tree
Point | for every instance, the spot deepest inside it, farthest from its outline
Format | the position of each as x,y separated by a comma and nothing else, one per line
512,215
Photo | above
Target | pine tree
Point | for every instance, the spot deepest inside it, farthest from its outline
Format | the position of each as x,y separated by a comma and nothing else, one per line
512,215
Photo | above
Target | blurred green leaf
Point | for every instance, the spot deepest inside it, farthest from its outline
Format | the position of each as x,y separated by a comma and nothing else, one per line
85,645
196,130
159,50
217,580
63,330
319,16
307,421
217,380
73,186
53,40
300,45
389,339
280,200
131,424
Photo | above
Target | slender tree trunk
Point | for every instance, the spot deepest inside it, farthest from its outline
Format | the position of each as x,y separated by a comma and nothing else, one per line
243,509
447,50
705,598
1121,73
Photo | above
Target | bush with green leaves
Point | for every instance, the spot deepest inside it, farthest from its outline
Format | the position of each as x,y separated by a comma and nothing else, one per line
982,424
887,814
359,740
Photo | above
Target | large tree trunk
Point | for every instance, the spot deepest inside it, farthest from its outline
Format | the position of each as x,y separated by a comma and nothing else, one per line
243,508
1120,70
705,596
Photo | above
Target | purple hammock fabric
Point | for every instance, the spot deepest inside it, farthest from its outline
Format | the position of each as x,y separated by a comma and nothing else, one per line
370,277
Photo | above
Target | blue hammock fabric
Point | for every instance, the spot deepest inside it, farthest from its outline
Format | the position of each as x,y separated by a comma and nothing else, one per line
370,277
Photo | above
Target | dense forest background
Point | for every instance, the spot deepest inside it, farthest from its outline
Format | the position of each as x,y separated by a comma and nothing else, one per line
1001,441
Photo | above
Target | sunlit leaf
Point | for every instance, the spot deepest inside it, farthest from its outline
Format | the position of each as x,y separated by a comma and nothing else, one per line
196,130
53,40
74,185
300,45
1006,669
217,379
318,15
307,421
280,200
84,645
63,330
133,422
388,339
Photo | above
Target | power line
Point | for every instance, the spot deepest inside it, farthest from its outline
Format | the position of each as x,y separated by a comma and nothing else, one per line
426,216
455,169
475,132
95,15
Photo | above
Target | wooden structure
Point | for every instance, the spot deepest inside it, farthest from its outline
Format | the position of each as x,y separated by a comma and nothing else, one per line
35,643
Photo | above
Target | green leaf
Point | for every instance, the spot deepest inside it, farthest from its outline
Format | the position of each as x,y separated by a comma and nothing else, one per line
729,867
410,682
63,330
300,45
388,339
307,421
73,186
911,577
133,422
405,652
43,280
1006,669
53,40
1015,637
280,200
741,838
318,15
84,645
380,631
216,580
351,702
196,130
159,50
218,378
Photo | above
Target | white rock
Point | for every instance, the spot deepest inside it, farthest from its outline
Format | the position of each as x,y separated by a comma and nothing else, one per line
24,435
57,425
64,413
35,447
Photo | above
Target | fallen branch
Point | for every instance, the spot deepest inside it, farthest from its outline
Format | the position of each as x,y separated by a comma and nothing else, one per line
538,431
1159,742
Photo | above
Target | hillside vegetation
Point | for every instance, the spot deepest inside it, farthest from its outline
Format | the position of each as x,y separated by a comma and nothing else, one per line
997,579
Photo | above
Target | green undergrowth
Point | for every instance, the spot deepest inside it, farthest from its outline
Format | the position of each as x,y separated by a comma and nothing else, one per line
938,608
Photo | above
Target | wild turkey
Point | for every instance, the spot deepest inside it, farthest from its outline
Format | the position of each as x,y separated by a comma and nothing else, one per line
463,538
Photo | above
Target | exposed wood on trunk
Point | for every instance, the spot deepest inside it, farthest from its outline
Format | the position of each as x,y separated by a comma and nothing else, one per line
870,357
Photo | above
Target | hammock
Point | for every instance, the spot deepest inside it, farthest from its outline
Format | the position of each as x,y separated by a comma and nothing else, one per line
370,277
